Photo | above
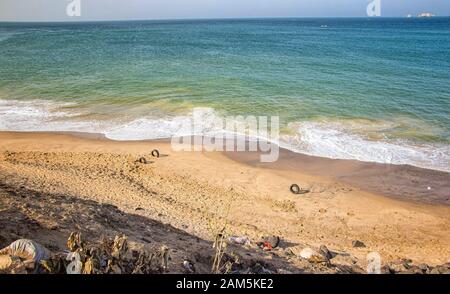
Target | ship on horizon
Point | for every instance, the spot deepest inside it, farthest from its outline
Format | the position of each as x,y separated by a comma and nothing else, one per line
426,14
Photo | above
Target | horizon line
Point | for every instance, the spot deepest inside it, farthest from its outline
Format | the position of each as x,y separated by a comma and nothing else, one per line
219,18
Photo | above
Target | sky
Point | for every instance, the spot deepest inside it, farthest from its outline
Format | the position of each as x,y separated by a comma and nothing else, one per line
55,10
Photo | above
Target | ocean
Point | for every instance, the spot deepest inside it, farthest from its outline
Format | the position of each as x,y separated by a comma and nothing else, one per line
369,89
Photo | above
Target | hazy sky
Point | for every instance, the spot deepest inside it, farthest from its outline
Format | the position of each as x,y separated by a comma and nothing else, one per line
55,10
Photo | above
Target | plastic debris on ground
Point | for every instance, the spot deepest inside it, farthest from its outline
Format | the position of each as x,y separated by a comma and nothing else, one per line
108,256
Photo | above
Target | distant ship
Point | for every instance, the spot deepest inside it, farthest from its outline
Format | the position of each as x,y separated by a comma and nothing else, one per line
426,14
409,16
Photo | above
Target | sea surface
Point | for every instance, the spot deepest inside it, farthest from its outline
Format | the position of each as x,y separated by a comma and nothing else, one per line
374,90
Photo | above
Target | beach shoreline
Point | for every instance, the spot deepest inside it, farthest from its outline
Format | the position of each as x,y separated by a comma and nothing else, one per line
402,182
347,200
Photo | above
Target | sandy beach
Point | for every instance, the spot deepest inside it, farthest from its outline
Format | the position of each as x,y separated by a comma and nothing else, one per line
70,182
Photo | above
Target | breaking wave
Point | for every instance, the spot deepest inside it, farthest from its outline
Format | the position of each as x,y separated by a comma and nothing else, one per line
325,139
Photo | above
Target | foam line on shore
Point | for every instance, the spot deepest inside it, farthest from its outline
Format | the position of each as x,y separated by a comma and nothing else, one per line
311,138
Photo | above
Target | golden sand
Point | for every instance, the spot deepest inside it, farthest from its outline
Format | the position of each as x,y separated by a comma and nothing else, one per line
197,192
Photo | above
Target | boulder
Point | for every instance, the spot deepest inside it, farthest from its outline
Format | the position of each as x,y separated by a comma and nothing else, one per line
414,270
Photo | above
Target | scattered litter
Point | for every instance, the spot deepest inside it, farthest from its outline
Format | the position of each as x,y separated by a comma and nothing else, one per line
12,264
109,256
27,250
155,153
269,243
57,264
295,189
266,246
165,255
74,242
274,241
113,267
307,253
239,240
6,261
313,256
120,247
143,160
23,255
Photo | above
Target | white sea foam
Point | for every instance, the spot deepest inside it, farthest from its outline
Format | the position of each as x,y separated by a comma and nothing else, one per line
325,139
334,141
147,128
41,115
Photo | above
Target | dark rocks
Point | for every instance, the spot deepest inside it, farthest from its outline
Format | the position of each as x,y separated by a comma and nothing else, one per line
386,270
406,266
53,227
189,266
346,264
424,267
343,259
399,266
260,269
274,241
354,269
440,269
325,252
414,270
358,244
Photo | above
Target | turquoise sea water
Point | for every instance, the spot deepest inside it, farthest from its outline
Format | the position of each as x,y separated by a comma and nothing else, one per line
365,89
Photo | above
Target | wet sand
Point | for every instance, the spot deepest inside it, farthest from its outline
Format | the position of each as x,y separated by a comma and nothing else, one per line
403,182
199,192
